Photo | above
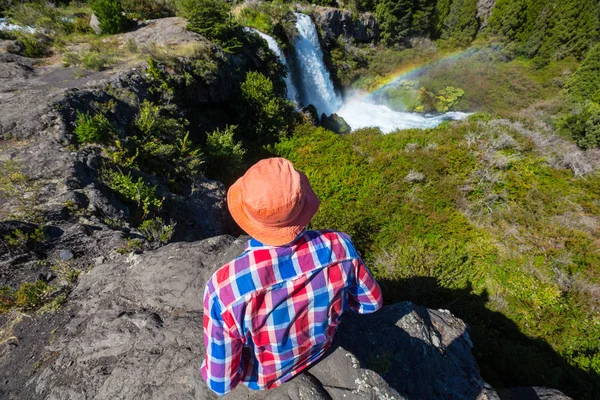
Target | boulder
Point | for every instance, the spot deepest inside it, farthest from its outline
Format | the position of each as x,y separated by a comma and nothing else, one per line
335,123
95,24
133,330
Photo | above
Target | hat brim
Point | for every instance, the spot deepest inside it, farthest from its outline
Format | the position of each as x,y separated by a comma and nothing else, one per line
273,236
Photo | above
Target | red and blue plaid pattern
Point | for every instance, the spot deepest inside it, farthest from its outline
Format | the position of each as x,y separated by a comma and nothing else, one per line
273,311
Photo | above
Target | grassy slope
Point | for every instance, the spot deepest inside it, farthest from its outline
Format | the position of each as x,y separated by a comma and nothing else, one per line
493,231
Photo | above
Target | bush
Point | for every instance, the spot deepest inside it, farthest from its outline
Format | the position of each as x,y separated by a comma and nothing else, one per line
31,296
212,19
224,155
156,231
93,129
149,9
266,115
137,192
34,45
583,125
110,15
17,186
585,82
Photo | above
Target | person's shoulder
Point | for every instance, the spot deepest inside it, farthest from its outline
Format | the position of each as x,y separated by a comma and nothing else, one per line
222,279
335,239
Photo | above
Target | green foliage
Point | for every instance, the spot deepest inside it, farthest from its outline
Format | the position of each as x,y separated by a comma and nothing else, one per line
270,17
19,240
31,296
110,15
132,245
254,18
35,45
266,116
584,84
583,125
65,272
460,25
155,230
224,155
40,15
488,219
17,186
395,20
547,30
7,298
149,9
93,129
137,192
213,20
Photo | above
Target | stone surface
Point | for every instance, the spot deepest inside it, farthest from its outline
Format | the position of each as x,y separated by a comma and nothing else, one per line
133,330
537,393
95,24
336,22
484,10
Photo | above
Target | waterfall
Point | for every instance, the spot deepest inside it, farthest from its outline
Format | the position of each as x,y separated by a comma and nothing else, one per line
317,88
292,93
359,110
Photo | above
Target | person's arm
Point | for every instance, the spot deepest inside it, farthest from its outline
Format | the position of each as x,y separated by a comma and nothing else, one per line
365,294
221,368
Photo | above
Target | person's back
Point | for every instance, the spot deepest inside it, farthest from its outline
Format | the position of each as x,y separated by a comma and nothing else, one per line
274,310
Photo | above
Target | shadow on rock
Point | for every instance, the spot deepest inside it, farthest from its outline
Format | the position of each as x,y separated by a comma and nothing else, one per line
506,357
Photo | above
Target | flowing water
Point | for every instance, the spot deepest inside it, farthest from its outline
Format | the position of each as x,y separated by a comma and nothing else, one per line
292,93
7,26
359,110
317,88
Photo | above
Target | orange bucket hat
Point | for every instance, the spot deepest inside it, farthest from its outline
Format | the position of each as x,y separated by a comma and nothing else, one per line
272,202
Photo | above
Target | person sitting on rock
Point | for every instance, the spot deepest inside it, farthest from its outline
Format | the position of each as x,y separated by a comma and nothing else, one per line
273,311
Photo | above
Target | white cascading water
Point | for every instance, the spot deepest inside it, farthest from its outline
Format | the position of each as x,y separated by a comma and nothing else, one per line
292,93
359,110
317,88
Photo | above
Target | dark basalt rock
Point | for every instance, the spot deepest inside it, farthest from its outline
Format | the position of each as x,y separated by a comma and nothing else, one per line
336,22
335,123
135,332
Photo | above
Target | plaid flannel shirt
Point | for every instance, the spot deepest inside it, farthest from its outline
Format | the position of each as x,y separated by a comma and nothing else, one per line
273,311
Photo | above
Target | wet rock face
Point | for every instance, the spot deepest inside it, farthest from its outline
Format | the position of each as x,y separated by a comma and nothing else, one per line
484,10
336,22
135,332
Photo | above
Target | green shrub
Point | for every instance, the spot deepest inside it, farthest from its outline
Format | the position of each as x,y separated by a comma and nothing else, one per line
149,9
31,296
212,19
110,15
266,116
17,186
93,129
7,298
156,231
136,192
224,155
19,240
583,125
585,82
35,45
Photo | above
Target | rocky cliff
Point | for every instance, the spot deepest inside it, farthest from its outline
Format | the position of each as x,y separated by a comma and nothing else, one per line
335,22
133,330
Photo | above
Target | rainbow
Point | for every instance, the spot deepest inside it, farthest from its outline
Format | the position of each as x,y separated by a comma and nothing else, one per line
412,71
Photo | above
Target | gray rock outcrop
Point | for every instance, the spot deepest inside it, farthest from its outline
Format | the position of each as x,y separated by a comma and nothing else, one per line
134,331
484,10
336,22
